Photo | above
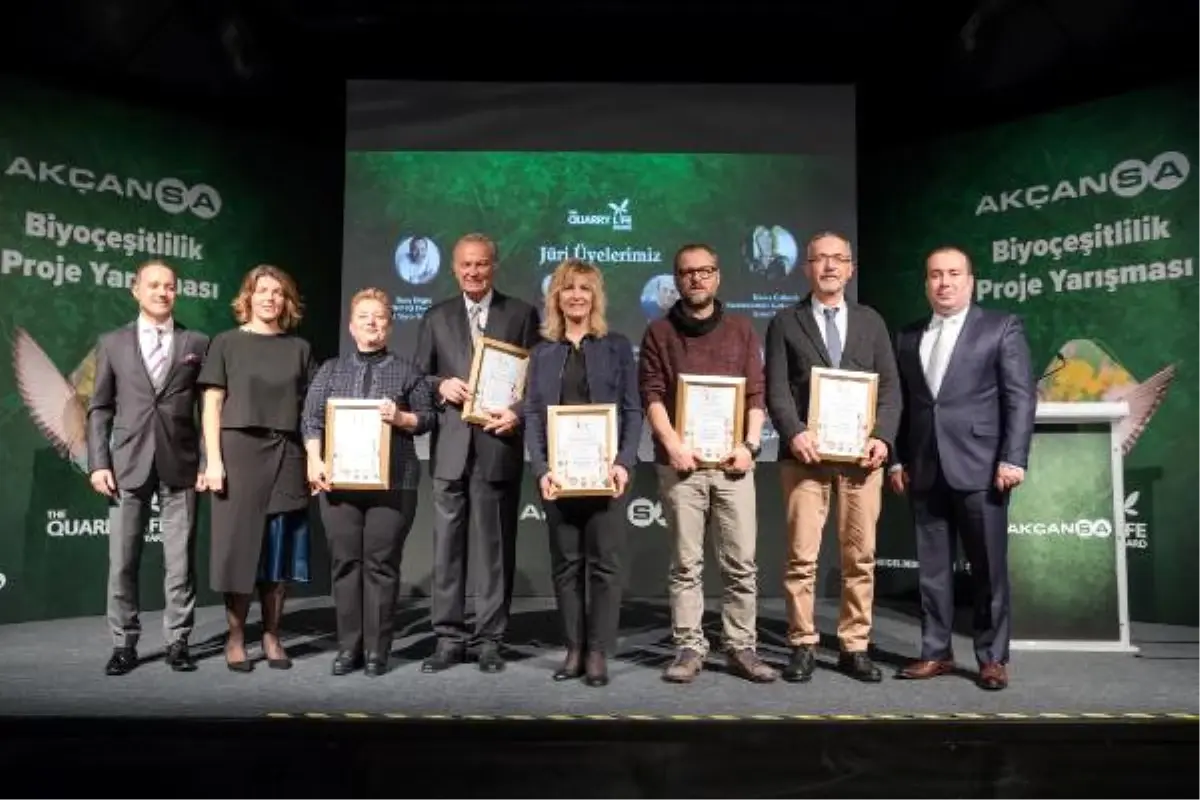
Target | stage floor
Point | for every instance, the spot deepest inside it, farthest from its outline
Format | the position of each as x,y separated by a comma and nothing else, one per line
55,669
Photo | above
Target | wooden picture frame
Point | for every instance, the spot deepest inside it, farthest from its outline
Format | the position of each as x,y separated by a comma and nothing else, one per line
570,485
842,426
370,460
727,391
513,364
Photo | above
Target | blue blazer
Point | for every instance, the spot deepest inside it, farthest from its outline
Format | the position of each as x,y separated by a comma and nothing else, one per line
611,377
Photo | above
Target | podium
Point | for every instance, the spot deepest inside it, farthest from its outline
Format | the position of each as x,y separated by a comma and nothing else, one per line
1066,534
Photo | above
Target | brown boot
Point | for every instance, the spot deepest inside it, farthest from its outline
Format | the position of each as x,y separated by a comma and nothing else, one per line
685,667
746,664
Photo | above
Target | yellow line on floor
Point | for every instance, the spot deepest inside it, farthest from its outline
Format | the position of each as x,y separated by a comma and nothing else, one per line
947,716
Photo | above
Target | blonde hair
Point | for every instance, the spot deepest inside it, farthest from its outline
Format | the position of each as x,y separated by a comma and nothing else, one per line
293,307
371,293
554,323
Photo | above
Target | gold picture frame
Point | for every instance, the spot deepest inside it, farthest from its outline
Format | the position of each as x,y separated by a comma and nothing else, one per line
358,445
841,412
497,367
603,424
722,395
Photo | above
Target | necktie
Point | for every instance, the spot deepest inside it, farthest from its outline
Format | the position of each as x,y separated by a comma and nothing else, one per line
156,360
833,339
476,317
936,368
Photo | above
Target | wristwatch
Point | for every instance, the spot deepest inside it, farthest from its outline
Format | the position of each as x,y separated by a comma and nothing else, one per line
754,449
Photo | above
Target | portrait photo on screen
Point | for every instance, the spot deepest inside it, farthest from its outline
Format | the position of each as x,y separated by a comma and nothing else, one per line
624,191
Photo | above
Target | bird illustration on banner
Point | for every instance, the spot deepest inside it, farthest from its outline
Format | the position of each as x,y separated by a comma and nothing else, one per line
1084,370
56,403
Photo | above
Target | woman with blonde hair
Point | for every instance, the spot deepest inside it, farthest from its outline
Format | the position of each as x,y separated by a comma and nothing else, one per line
366,529
582,362
255,377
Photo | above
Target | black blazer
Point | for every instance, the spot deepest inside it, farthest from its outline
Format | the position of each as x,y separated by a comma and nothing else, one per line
611,377
984,412
444,351
131,426
794,346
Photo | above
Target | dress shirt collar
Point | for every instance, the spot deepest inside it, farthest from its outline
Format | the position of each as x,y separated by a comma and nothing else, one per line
145,326
819,307
937,320
484,303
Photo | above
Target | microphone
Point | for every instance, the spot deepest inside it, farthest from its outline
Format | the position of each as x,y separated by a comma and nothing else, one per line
1060,363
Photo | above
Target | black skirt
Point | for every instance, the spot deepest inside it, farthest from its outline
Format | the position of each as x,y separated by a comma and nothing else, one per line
264,476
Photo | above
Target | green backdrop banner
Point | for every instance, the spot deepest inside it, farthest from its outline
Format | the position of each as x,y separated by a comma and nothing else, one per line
90,189
1084,222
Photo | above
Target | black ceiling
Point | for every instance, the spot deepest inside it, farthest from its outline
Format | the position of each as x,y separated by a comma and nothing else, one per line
926,58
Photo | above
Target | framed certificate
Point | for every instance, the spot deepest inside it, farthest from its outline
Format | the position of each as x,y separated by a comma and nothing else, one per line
710,414
358,444
581,447
497,379
841,412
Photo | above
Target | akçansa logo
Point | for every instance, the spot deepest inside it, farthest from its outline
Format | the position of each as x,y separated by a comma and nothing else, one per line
57,403
1081,528
170,194
1128,178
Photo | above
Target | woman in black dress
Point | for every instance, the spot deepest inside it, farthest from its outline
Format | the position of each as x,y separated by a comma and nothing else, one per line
254,379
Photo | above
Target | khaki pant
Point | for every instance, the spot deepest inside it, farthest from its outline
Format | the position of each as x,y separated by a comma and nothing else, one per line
806,489
689,502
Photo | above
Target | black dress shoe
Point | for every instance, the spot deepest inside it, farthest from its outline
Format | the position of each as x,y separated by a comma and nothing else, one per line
571,668
489,658
179,658
859,666
445,657
377,664
122,661
346,662
800,666
597,670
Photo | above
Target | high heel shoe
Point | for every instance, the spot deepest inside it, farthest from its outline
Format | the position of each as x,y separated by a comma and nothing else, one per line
277,663
244,665
597,670
572,667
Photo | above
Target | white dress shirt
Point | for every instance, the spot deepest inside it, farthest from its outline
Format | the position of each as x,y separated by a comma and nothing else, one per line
953,325
485,304
839,320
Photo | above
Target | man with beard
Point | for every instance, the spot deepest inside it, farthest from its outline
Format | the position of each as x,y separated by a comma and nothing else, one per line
827,330
698,337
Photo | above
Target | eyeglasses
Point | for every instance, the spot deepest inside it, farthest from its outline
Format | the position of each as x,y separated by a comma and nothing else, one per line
836,259
699,273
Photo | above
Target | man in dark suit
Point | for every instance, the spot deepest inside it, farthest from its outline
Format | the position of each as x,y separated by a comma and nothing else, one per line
827,330
143,440
970,401
476,468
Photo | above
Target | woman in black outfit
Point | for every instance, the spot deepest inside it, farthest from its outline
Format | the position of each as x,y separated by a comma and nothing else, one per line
255,378
366,529
582,362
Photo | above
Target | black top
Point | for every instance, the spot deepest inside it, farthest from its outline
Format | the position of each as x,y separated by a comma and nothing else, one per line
370,360
265,377
574,378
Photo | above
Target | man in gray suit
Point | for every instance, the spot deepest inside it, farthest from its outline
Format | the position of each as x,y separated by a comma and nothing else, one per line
827,330
142,440
476,468
970,404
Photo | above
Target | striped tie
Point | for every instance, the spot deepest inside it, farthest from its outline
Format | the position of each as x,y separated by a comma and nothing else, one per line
156,361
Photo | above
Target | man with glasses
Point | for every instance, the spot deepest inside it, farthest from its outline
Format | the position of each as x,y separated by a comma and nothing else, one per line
698,337
827,330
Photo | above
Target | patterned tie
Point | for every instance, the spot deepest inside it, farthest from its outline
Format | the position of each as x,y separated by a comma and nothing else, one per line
476,317
156,360
935,370
833,339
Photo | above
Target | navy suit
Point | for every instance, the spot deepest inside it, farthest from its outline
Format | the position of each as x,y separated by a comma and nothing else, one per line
951,445
586,533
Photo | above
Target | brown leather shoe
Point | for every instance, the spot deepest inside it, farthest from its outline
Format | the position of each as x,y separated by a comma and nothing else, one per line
746,664
923,670
993,677
685,667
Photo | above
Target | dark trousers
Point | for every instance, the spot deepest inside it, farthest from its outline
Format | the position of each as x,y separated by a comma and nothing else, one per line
586,538
366,533
475,535
942,516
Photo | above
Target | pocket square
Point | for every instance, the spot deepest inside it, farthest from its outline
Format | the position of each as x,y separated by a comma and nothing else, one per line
191,358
